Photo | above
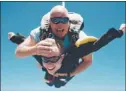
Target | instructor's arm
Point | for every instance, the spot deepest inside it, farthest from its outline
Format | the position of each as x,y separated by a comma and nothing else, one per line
43,48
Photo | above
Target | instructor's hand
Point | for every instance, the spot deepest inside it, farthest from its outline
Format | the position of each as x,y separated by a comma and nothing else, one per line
47,48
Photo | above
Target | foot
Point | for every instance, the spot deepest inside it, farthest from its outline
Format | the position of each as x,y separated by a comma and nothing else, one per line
10,35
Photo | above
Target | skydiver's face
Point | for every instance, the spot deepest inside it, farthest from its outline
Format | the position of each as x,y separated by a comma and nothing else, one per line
53,67
59,23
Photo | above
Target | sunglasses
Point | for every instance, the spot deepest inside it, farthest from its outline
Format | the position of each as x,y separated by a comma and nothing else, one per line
51,59
57,20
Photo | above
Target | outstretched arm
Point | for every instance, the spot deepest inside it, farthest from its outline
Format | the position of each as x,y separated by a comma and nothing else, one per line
91,44
108,37
86,47
104,40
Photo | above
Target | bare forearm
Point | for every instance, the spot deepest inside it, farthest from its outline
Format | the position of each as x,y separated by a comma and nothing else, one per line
24,51
81,67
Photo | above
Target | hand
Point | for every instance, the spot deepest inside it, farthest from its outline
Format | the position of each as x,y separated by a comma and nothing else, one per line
60,74
123,27
43,48
47,48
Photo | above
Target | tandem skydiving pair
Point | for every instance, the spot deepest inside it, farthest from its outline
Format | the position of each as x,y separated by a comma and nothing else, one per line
59,43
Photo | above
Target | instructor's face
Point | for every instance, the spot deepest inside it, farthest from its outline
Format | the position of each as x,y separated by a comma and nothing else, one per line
59,23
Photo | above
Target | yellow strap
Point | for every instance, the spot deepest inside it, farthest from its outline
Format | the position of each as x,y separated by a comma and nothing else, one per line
85,40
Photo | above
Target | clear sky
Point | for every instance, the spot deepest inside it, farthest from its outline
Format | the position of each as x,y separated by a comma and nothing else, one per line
107,73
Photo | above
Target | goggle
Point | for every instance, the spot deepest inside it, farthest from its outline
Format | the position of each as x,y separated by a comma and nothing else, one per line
57,20
51,59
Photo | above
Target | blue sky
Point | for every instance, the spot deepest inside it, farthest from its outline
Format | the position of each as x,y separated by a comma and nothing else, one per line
107,73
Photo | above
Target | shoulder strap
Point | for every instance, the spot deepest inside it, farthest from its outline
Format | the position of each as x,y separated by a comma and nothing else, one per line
73,35
44,33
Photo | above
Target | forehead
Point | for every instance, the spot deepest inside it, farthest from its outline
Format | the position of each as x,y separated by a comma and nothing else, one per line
58,14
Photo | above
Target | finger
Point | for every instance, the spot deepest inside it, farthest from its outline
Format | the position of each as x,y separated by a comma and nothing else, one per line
42,51
47,48
45,54
44,43
50,40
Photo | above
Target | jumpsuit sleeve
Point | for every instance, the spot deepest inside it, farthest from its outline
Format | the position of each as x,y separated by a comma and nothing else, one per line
107,38
90,45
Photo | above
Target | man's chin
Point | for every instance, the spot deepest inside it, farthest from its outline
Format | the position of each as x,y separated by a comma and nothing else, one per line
60,36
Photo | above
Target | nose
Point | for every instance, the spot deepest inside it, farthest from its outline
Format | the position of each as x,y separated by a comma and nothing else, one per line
59,24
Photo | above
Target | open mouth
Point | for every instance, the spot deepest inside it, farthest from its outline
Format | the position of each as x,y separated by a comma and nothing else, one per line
59,30
52,68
